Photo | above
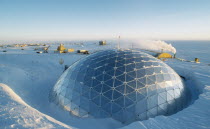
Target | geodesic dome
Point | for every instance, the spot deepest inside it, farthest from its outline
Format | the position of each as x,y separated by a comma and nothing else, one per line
125,85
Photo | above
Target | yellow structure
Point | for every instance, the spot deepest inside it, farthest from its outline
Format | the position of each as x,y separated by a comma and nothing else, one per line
23,45
71,50
20,45
164,55
62,49
196,60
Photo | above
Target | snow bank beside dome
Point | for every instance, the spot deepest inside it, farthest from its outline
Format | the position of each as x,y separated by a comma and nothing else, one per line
15,113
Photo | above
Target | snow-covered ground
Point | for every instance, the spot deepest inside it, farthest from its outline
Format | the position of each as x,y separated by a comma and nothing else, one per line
26,79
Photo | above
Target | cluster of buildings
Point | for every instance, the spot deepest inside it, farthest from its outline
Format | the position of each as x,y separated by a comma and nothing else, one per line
43,48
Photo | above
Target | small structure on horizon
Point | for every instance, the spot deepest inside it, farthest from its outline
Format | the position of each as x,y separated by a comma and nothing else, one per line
62,49
102,42
197,60
83,51
39,52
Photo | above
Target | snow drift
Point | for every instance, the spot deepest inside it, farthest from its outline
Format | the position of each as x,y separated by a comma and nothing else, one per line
18,114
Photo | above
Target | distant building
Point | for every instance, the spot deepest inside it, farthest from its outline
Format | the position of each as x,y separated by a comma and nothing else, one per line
62,49
102,42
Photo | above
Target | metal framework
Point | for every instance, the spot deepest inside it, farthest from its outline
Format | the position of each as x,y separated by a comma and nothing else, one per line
125,85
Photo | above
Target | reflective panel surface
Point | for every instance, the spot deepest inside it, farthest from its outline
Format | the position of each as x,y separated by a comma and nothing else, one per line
124,85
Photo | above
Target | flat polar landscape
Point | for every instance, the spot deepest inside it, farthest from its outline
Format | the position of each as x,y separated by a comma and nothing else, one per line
26,79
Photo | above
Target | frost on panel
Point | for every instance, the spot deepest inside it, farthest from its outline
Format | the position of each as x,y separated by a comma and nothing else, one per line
124,85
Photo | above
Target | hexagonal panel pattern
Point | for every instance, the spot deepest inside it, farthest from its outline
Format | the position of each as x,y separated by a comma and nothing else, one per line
125,85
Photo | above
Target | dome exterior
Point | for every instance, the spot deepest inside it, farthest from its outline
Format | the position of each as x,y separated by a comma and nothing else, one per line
125,85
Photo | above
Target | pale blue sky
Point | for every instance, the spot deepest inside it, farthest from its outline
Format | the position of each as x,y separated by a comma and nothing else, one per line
101,19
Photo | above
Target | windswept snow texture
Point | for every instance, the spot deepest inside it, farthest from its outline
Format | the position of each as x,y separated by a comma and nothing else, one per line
31,77
17,114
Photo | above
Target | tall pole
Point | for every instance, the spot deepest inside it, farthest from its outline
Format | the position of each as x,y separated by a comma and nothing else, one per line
118,43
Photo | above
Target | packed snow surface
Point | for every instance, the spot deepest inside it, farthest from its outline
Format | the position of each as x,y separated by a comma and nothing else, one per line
27,77
18,114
